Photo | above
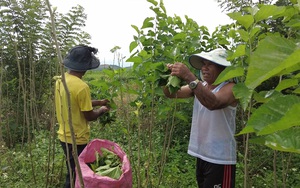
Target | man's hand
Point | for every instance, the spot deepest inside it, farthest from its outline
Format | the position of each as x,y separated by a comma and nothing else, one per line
95,113
181,71
102,102
103,110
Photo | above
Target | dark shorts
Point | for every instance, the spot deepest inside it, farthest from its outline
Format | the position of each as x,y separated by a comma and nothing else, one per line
69,148
211,175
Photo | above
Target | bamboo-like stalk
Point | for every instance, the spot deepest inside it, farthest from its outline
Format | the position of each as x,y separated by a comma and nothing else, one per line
285,169
150,147
1,84
274,168
26,118
246,173
74,147
167,143
9,142
51,149
139,151
32,101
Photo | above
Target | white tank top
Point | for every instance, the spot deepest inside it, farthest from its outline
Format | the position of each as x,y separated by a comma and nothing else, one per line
212,133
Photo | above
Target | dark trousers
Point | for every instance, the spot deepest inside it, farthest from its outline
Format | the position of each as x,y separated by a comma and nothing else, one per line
210,175
68,147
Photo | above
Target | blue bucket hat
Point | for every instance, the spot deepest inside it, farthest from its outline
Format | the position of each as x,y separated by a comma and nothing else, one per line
81,58
217,56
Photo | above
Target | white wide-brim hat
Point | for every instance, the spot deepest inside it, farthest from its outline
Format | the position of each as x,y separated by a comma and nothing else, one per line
217,56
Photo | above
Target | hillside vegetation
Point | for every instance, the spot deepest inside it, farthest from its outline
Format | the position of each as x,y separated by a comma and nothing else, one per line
263,46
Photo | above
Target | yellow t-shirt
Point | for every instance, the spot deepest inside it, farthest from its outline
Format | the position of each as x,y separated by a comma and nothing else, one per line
80,99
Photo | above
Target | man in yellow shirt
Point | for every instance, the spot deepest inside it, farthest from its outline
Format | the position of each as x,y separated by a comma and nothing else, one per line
79,59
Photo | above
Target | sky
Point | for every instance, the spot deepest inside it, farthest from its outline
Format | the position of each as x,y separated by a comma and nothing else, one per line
109,21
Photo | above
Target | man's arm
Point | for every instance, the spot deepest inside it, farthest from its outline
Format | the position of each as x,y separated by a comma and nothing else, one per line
103,102
94,114
184,92
213,101
224,97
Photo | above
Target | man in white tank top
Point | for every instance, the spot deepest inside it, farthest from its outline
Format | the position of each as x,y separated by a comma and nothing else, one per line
213,127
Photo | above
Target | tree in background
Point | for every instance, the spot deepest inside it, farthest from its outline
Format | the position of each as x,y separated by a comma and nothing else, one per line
29,61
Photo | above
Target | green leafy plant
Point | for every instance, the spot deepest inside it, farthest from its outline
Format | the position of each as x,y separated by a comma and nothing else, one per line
104,90
173,83
107,164
110,116
264,47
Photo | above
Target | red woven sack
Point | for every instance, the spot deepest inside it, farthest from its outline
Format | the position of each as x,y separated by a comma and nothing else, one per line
92,180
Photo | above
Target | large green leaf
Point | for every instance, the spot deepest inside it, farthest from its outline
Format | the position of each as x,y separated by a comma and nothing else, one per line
240,51
254,31
244,20
244,35
287,140
153,2
272,114
261,97
292,68
229,73
243,94
148,23
290,119
273,55
132,46
295,23
284,84
266,11
180,36
173,84
297,91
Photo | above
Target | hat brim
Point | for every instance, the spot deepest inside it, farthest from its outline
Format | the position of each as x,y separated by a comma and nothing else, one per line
196,60
81,67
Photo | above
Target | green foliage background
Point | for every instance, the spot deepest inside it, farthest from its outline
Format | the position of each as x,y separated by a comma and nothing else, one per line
263,44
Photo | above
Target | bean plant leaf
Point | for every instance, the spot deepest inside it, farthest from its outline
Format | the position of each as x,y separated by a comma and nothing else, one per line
240,51
254,31
244,20
148,23
273,55
181,116
294,23
244,35
107,163
132,46
136,28
174,84
271,115
297,91
287,140
180,36
260,97
284,84
243,94
294,67
266,11
229,73
135,59
289,119
166,79
153,2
